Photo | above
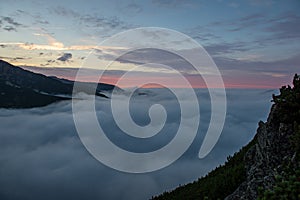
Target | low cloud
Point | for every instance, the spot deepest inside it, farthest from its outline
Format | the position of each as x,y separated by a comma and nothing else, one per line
42,156
66,57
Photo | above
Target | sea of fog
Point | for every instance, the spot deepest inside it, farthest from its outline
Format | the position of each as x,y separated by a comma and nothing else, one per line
42,157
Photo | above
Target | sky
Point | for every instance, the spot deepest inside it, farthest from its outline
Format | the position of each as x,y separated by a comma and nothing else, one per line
254,43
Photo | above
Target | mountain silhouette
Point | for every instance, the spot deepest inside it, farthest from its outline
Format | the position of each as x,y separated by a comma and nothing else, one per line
21,88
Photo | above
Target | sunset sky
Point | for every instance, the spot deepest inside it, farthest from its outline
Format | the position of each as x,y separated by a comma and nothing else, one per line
255,43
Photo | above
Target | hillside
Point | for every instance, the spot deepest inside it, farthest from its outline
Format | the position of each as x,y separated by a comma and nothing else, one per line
266,168
21,88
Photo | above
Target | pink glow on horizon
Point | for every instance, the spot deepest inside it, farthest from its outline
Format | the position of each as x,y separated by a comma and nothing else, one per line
242,80
196,82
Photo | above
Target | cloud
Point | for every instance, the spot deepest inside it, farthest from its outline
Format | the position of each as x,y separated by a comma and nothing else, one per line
200,36
13,59
247,22
261,2
51,61
134,7
66,12
129,9
70,73
233,4
105,23
173,3
11,24
19,58
257,74
44,22
252,21
264,31
287,66
9,28
226,65
279,29
36,17
95,21
226,48
65,57
236,72
58,46
150,55
22,11
11,21
54,44
40,148
286,26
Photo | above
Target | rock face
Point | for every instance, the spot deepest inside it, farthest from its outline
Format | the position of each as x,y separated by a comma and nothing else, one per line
267,158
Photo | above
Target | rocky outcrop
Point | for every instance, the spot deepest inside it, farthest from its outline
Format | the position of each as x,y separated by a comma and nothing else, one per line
268,157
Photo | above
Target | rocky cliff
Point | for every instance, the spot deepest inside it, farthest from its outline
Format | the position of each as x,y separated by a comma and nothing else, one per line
274,157
266,168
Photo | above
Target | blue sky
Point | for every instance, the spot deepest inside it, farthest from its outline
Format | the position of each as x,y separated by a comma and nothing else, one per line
249,40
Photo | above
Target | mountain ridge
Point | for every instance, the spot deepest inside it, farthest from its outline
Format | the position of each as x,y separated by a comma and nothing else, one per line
20,88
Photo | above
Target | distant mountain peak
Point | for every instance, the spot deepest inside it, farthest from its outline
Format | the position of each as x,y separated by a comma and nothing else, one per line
20,88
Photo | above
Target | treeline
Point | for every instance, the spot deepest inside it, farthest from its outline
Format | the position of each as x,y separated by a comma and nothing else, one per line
217,184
